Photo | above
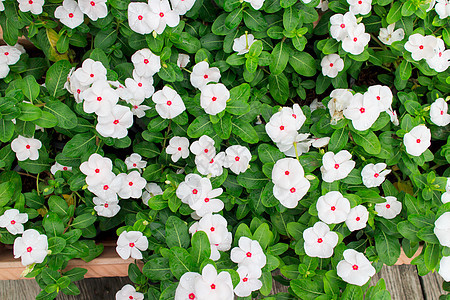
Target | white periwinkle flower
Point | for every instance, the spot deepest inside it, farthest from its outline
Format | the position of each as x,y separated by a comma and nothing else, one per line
139,87
131,243
355,268
213,167
132,185
115,124
10,54
202,74
340,100
100,98
249,254
168,103
362,7
283,126
183,60
151,189
247,283
340,24
13,221
178,148
389,35
97,169
374,175
33,6
382,94
256,4
129,292
163,14
333,208
237,158
357,218
439,112
442,8
336,166
417,140
26,148
440,61
214,97
32,247
213,285
356,39
69,14
319,240
58,167
192,188
207,202
446,195
140,18
90,72
134,161
108,188
363,111
106,207
182,6
389,209
393,115
444,268
94,9
4,68
331,65
243,43
204,147
186,287
145,63
442,229
421,46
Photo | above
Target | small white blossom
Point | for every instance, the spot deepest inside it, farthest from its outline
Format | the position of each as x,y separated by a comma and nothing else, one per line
10,53
357,218
182,6
141,19
247,283
151,189
417,140
340,24
444,268
26,148
139,87
100,98
446,195
242,44
94,9
382,95
320,142
97,169
207,202
355,268
13,221
58,167
256,4
213,285
116,124
183,60
421,46
333,208
374,175
202,74
237,158
323,5
69,14
129,292
319,240
356,40
138,110
340,100
286,172
131,243
178,148
301,142
191,189
132,185
362,7
439,112
283,126
145,63
4,68
363,111
168,103
442,8
186,287
33,6
108,188
336,166
32,247
387,35
442,229
204,147
212,167
389,209
163,14
249,254
134,161
106,207
393,115
90,72
331,65
214,97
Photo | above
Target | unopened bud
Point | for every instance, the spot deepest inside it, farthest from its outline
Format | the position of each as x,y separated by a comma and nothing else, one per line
155,34
84,186
310,177
167,182
145,223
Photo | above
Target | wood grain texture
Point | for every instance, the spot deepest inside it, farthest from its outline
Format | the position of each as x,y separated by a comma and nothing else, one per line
432,286
401,281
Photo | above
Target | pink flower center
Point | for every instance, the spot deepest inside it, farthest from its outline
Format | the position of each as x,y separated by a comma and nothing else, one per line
245,279
418,141
29,249
214,99
134,165
336,166
135,107
28,146
355,39
362,110
342,25
106,205
205,76
70,15
286,173
355,267
116,122
237,158
211,161
92,75
65,168
206,150
442,112
213,286
131,297
92,3
319,240
7,53
212,229
140,17
13,222
194,191
206,200
191,296
105,187
292,190
30,2
378,98
131,245
249,254
139,84
130,183
376,175
78,91
99,98
357,219
145,61
294,116
331,65
161,14
97,171
281,127
169,103
333,208
421,47
179,148
359,2
388,206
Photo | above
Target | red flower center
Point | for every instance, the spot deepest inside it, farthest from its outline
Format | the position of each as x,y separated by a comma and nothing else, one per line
355,267
292,190
281,127
249,254
294,116
362,110
29,249
65,168
105,187
205,76
206,200
359,2
213,286
418,141
421,47
92,75
333,208
135,107
70,15
78,91
106,205
28,146
342,25
378,98
130,183
92,3
131,245
99,98
388,206
237,158
191,296
319,240
179,148
286,173
442,112
211,161
30,2
214,99
13,222
194,191
134,165
7,53
161,14
206,150
245,279
357,219
131,297
376,175
139,84
116,122
336,166
355,39
140,17
169,103
331,65
145,61
97,171
212,229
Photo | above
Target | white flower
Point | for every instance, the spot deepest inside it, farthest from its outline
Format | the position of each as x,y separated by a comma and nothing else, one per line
131,243
442,8
362,7
69,14
256,4
2,6
4,68
387,35
243,43
108,188
115,124
202,74
183,60
356,39
336,166
191,189
212,167
100,98
283,125
213,98
373,175
382,94
151,189
355,268
204,147
215,227
319,240
90,72
163,14
301,142
94,9
132,185
249,254
323,5
178,147
168,103
12,220
286,172
440,61
129,292
289,197
10,53
417,140
316,104
333,208
340,100
26,148
134,161
186,286
442,229
140,88
141,19
58,167
363,111
331,65
145,63
137,109
207,203
340,24
74,86
357,218
34,6
247,283
182,6
237,158
320,142
31,247
421,46
439,112
446,195
106,207
393,115
444,268
213,286
97,169
389,209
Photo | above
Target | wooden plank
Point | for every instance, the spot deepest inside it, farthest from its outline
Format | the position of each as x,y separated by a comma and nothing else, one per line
97,288
432,286
19,289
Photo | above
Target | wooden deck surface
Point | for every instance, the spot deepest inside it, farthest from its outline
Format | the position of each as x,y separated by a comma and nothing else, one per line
401,281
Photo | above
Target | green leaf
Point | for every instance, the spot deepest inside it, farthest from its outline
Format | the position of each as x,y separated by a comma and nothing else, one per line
263,235
306,289
75,274
280,58
52,224
100,55
30,87
56,78
56,244
177,233
84,220
369,142
6,130
201,249
338,140
234,18
180,262
188,43
7,190
29,112
395,13
279,88
269,154
65,116
303,63
157,269
223,127
254,20
405,70
431,256
200,126
388,247
58,205
291,18
256,48
79,145
244,130
47,120
252,180
105,38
